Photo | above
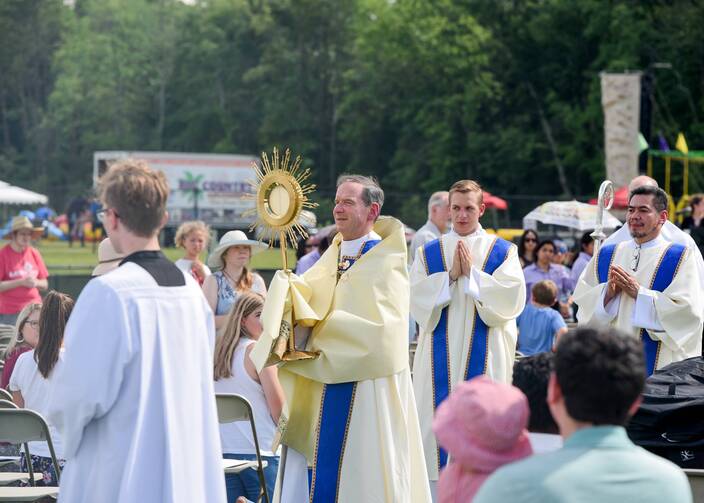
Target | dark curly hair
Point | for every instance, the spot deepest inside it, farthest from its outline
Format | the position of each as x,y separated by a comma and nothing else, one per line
531,375
601,372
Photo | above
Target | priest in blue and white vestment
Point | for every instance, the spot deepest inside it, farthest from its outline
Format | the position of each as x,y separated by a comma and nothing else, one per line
350,425
646,286
467,289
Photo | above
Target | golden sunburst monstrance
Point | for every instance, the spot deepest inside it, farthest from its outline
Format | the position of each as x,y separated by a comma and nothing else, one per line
281,194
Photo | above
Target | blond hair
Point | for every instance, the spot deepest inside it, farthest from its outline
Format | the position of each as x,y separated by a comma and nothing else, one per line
464,186
186,228
22,318
225,345
137,194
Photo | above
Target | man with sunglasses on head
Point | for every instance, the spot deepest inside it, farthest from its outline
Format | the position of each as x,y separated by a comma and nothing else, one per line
646,286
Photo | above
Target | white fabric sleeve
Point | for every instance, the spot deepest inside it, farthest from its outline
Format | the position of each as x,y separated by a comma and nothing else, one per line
471,284
98,346
606,314
644,312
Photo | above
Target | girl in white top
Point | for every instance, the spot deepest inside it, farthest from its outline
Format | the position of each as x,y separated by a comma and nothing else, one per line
235,373
30,383
193,237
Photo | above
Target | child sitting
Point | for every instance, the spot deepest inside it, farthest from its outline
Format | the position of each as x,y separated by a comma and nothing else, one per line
31,380
539,325
482,425
235,373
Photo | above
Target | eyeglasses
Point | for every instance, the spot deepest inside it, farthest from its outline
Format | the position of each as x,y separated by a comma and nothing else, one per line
102,213
32,323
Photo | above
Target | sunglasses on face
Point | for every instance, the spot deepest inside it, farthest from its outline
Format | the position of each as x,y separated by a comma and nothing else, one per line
530,240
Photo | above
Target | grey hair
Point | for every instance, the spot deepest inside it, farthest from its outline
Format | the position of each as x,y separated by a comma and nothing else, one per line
437,199
371,191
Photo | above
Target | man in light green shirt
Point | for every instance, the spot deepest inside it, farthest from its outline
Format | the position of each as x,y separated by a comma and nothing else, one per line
596,386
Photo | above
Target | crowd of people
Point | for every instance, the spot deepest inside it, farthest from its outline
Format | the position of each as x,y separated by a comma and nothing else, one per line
504,403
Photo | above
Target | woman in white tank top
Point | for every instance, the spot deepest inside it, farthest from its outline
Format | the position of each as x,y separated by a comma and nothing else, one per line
235,373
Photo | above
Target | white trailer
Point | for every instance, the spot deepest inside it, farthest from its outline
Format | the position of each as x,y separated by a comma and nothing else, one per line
210,187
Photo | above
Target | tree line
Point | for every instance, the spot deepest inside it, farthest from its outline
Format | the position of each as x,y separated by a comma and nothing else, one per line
417,92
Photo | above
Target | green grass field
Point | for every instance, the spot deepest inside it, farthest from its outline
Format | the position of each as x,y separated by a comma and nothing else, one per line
62,259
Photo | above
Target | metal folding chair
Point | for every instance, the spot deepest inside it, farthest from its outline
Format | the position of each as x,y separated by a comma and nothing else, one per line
19,426
696,482
233,408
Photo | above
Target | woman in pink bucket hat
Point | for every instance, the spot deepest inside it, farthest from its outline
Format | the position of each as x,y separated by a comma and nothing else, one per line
482,425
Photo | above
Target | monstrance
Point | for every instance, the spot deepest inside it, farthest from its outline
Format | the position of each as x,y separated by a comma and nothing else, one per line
281,195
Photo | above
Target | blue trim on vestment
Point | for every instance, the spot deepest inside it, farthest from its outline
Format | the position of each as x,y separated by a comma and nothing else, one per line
606,255
331,440
440,361
336,410
479,349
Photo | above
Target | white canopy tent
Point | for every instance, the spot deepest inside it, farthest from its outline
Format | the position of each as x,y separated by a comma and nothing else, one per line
10,194
573,214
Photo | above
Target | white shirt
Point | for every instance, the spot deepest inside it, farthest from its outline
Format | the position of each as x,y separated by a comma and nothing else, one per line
424,235
236,437
36,391
185,265
353,247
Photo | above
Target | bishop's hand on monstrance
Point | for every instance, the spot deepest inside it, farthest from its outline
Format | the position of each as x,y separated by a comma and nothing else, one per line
281,195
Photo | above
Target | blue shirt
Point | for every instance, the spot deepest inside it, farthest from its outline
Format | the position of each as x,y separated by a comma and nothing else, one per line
536,329
597,464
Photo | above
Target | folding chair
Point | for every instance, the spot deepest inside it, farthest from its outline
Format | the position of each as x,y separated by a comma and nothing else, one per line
22,426
7,403
696,482
233,408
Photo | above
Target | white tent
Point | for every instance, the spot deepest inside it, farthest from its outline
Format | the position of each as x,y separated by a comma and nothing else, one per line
573,214
9,194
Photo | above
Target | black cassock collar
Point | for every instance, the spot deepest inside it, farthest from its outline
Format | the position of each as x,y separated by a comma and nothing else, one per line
164,272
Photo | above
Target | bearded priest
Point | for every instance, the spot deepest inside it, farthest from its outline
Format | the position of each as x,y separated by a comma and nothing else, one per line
646,286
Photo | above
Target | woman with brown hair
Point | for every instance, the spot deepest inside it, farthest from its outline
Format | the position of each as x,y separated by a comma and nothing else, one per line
231,259
234,372
31,380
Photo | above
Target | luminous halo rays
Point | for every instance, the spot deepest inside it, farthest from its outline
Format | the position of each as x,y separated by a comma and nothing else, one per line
281,194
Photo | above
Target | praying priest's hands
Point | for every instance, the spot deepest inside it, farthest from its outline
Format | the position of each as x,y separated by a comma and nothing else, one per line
625,281
465,258
461,262
612,288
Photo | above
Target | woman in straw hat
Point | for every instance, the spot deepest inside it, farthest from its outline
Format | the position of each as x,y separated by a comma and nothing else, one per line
231,258
22,270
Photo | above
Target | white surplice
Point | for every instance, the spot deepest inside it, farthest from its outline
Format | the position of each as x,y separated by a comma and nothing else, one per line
498,298
134,396
673,316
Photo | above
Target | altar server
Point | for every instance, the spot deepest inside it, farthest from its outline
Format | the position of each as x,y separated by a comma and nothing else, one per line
133,397
467,289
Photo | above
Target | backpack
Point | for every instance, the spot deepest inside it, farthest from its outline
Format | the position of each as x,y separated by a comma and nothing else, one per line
670,421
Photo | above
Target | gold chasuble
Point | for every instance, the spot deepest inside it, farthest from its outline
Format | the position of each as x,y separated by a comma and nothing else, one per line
666,315
350,412
467,327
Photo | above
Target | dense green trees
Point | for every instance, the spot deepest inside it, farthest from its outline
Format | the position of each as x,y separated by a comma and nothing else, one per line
417,92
